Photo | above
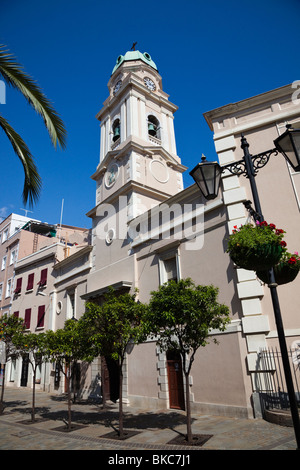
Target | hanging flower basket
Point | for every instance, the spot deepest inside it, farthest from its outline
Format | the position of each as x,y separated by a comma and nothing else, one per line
285,271
256,247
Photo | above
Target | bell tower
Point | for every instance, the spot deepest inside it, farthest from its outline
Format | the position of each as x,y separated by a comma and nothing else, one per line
138,151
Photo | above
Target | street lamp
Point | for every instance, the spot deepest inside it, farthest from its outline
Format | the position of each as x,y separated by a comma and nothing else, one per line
289,145
207,175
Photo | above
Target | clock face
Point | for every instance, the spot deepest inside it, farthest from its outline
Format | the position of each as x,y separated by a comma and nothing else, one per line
149,83
117,86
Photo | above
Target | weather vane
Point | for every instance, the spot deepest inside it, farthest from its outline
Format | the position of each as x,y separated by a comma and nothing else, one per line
133,46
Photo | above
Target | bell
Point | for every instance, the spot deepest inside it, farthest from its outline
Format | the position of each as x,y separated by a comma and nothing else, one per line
116,133
151,129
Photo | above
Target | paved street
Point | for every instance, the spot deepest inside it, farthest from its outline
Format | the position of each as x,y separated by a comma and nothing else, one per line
148,430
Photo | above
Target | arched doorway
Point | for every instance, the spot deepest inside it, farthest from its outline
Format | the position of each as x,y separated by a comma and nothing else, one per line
175,380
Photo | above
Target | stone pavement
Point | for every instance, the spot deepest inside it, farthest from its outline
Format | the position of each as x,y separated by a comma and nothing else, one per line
154,429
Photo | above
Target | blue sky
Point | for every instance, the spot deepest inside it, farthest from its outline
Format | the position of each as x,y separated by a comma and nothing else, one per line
221,51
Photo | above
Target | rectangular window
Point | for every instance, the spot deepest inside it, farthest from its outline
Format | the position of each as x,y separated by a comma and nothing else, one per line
41,316
8,288
13,369
43,280
18,286
13,256
5,235
169,267
16,314
71,304
30,281
27,318
3,265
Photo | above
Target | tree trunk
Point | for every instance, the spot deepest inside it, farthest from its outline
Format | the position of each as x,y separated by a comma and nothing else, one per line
189,435
121,430
2,391
69,398
33,396
102,382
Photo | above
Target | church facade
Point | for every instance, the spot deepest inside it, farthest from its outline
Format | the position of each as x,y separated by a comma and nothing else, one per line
147,229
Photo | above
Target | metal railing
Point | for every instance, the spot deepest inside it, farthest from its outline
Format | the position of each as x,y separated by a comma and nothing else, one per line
270,379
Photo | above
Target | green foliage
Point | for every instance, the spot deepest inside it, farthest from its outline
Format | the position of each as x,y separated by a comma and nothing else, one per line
113,325
249,236
67,344
13,74
10,326
33,343
183,314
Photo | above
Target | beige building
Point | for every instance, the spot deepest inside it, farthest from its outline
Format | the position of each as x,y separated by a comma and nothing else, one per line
20,236
33,295
147,229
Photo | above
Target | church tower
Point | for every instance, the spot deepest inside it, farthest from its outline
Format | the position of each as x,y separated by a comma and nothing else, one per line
138,151
138,168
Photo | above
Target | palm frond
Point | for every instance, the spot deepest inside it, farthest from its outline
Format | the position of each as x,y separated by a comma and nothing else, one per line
32,182
14,75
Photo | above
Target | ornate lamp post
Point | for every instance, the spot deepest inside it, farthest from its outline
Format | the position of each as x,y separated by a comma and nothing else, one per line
289,145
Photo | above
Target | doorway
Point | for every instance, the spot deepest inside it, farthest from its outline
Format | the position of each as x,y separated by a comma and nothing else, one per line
24,373
110,379
175,380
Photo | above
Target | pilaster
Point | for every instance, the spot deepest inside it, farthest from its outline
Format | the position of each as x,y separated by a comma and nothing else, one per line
255,325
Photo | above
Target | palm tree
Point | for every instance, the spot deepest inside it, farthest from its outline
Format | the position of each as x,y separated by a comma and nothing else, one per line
13,74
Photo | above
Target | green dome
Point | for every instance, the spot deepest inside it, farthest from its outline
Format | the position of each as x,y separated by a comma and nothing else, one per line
134,55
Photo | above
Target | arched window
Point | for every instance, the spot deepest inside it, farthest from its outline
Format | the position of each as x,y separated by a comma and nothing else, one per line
154,127
116,130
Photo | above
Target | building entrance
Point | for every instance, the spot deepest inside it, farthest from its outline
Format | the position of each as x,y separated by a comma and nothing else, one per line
175,379
110,379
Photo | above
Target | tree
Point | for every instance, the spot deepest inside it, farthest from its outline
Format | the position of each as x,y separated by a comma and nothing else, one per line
183,315
35,347
66,346
13,74
10,326
111,327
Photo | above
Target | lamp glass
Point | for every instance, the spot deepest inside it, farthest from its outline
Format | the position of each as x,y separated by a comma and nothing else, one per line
289,145
207,176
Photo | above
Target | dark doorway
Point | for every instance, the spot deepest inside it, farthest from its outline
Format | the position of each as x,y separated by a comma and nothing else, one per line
110,379
24,373
175,379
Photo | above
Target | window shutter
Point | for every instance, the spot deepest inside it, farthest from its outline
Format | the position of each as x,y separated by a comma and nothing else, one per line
27,318
41,316
43,280
18,286
30,281
16,314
